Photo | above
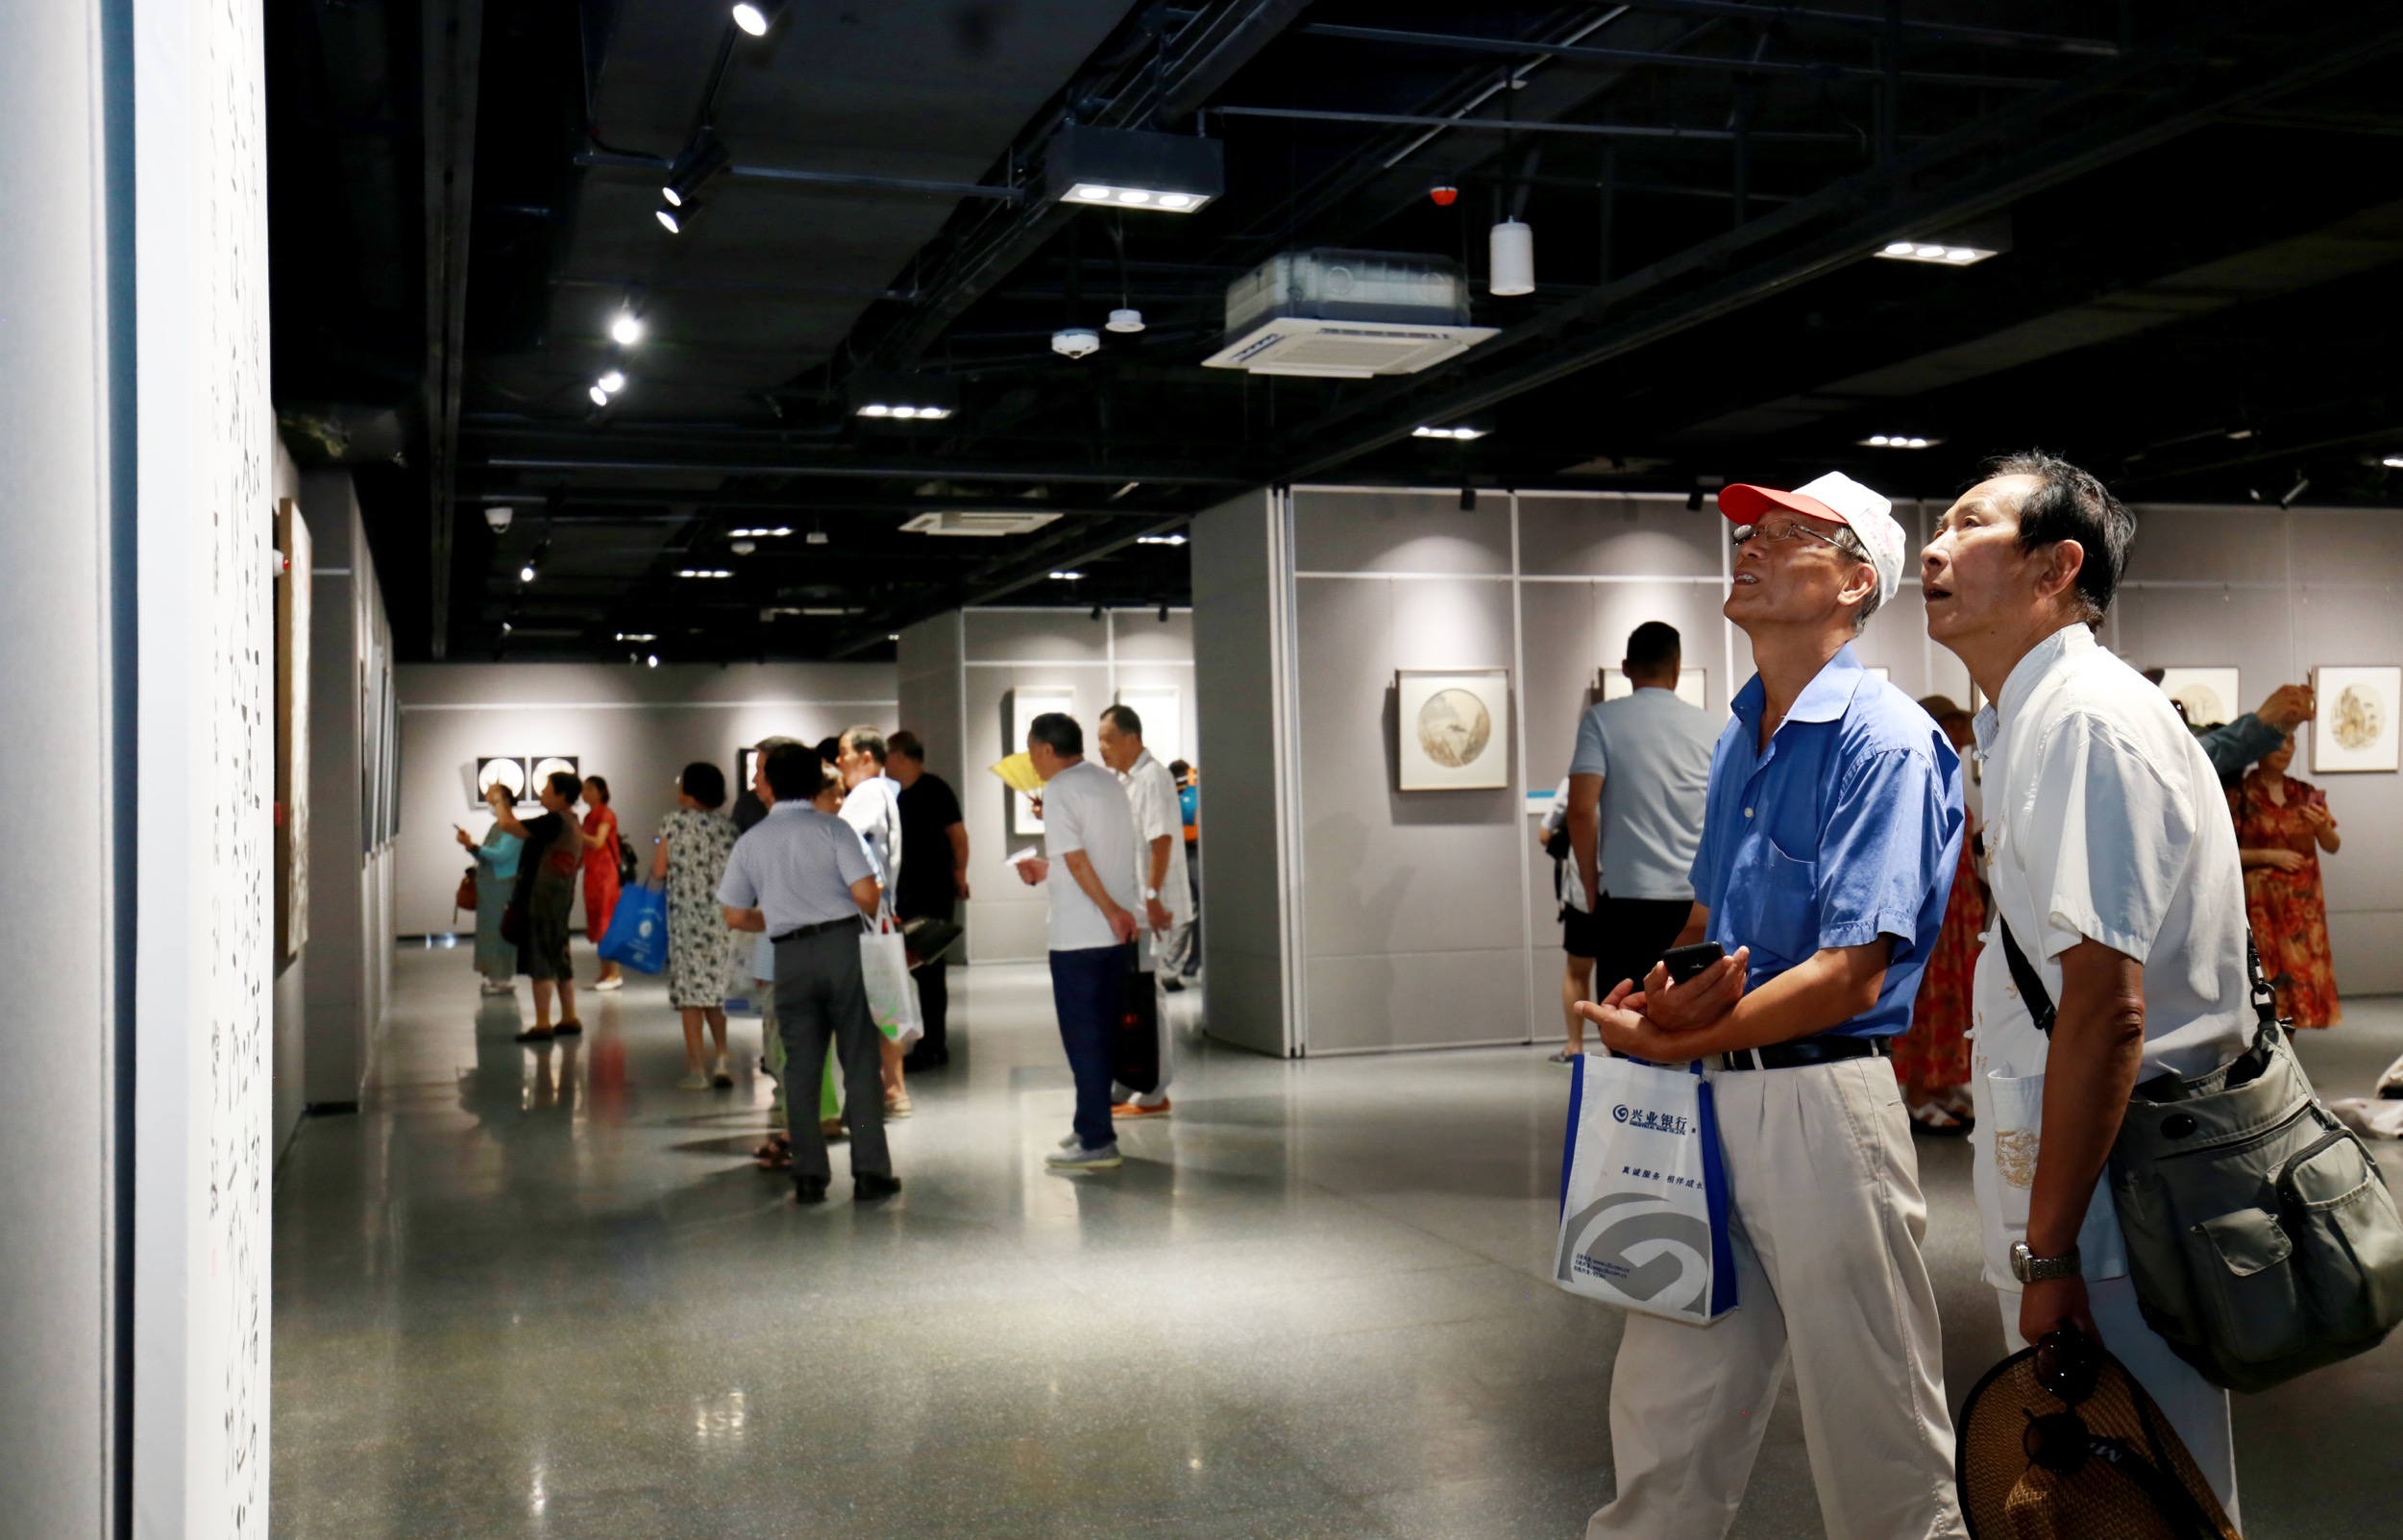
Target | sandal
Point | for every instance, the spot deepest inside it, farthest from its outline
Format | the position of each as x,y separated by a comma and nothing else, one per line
1934,1120
776,1155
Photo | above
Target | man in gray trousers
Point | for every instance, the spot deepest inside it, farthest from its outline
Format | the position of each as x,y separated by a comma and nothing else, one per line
804,878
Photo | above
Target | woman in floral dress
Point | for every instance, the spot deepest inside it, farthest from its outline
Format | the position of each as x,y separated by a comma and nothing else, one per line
1932,1058
2282,824
695,842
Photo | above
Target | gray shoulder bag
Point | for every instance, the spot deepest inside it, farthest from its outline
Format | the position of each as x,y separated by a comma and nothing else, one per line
2261,1236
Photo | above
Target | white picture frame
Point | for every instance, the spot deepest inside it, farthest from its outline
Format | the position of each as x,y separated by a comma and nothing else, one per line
1452,729
1692,686
2212,696
1025,705
1162,710
2357,730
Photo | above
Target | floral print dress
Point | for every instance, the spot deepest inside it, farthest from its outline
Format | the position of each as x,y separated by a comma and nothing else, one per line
701,947
2289,916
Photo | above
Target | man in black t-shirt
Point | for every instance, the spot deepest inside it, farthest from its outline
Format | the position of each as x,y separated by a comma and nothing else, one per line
930,886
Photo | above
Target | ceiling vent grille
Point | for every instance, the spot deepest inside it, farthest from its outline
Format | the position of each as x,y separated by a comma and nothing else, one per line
1346,315
1011,522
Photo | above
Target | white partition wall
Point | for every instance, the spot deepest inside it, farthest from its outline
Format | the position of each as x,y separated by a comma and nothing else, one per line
1426,919
964,677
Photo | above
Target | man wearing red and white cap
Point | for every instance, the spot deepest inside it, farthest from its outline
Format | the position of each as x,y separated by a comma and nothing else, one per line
1829,839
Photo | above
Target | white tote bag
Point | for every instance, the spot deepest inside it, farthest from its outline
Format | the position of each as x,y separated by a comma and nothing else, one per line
884,967
1644,1193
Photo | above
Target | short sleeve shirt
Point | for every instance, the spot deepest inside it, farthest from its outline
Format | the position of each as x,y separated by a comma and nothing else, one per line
872,808
1653,752
1151,796
797,867
928,810
1848,828
1085,809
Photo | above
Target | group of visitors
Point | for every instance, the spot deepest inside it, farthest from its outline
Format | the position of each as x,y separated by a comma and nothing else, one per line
1831,853
535,863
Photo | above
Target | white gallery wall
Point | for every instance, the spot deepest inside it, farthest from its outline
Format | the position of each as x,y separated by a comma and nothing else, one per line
1424,918
960,675
636,727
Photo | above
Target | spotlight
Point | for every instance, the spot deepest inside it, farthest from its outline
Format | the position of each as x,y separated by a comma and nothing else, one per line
1135,168
2393,462
703,160
612,381
652,660
525,574
1065,576
637,636
764,532
756,18
1159,540
600,396
1898,441
627,329
668,221
1463,433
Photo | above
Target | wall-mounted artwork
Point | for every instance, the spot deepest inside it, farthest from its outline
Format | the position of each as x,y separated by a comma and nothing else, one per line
506,772
2209,696
1025,705
292,857
2357,726
546,764
1454,729
1692,686
1163,721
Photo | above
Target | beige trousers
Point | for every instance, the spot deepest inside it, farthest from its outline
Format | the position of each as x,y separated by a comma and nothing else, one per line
1827,1221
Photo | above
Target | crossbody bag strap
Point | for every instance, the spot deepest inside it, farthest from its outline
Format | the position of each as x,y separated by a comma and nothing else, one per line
2031,984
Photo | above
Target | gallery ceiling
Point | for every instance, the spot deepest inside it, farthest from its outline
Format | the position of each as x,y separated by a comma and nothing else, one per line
2198,209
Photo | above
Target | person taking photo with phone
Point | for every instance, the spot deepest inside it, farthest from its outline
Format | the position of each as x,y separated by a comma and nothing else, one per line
1832,828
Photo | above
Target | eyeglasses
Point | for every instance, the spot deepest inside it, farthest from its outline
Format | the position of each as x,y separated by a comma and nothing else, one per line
1779,535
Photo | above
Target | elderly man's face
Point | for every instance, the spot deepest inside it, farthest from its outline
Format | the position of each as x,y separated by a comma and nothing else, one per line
1789,572
1973,575
1119,750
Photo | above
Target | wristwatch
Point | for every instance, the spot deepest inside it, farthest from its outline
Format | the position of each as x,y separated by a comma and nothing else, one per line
2029,1268
1150,894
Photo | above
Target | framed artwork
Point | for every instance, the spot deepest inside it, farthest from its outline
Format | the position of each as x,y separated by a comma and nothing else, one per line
2210,696
1454,729
2356,730
292,591
544,766
1164,723
506,770
1691,686
745,760
1025,705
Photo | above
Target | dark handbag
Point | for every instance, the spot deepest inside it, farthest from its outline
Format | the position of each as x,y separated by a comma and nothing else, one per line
2261,1236
513,924
466,896
1135,1040
629,868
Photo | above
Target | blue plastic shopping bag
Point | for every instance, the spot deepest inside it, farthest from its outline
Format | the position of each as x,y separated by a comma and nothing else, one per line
638,932
1644,1193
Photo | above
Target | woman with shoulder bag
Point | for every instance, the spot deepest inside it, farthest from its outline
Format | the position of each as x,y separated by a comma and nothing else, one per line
489,884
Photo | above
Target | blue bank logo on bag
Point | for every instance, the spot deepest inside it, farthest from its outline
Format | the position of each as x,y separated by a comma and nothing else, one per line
1657,1122
1598,1241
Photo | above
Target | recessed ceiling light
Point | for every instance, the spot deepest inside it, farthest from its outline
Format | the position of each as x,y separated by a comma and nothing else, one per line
2393,462
652,660
777,533
1943,253
2241,434
1159,540
1898,441
1065,576
525,574
637,636
905,413
627,329
703,571
1423,431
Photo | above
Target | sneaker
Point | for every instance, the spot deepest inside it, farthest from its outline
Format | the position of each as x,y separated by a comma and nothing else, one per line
696,1081
1139,1110
873,1187
1072,1142
897,1107
722,1077
492,988
618,983
1563,1057
1105,1158
809,1190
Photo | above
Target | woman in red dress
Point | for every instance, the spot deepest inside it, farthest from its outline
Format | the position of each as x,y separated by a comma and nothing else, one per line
2282,824
1931,1060
600,872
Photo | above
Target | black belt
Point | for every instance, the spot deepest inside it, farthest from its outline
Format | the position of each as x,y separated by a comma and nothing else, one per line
818,929
1825,1049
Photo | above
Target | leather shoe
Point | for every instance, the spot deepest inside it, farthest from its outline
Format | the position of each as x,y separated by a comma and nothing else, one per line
809,1190
872,1187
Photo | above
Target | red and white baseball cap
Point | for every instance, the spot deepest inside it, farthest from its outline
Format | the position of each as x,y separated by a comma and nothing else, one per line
1839,500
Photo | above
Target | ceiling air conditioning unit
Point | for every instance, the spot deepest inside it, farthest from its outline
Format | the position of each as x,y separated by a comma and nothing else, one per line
1011,522
1347,315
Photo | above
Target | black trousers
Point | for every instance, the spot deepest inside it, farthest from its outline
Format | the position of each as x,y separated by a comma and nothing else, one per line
821,999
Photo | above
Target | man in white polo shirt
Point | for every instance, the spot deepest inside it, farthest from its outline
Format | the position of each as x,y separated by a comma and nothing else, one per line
2113,870
1637,786
1167,910
1089,829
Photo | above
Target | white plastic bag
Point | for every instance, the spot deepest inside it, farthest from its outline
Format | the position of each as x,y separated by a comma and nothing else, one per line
884,966
1644,1193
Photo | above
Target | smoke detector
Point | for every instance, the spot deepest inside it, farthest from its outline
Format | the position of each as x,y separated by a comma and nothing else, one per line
1127,319
1076,342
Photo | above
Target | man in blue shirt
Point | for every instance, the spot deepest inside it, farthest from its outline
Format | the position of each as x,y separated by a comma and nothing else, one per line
1829,836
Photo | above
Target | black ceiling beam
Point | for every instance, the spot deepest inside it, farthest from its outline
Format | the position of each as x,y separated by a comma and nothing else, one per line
849,181
1728,65
1218,48
1496,125
765,291
1322,446
1933,31
451,37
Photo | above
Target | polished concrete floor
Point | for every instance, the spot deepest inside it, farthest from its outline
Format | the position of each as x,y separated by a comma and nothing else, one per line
545,1294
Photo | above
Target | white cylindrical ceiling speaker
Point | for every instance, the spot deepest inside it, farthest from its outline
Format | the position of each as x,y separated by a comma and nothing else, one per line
1510,257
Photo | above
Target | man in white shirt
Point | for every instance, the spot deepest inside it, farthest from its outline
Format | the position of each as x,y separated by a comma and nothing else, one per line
1159,860
871,804
1089,829
1637,786
2113,867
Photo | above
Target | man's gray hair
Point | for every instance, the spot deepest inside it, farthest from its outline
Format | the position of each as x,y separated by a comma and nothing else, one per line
867,741
1849,543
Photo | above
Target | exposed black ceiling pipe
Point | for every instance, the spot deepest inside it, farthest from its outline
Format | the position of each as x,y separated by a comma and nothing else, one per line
1210,62
452,42
932,468
1722,64
1934,31
1606,131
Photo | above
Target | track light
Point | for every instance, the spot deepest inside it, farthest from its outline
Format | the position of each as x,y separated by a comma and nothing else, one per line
627,329
754,18
1510,258
611,381
600,396
668,221
525,574
704,160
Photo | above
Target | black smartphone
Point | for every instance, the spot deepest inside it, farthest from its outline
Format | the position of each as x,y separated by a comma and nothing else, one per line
1684,961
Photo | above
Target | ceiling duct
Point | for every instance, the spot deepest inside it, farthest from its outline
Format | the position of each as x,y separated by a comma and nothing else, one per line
1347,315
1011,522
